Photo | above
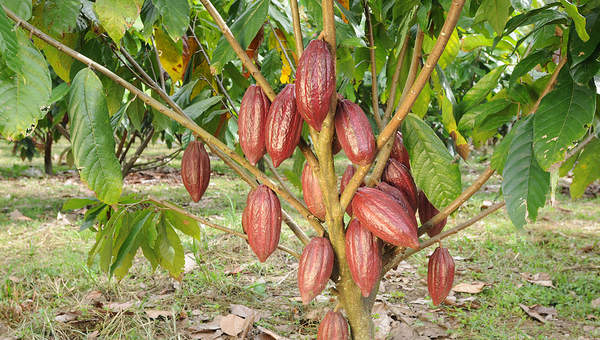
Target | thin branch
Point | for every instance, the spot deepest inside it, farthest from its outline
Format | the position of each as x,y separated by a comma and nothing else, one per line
395,80
129,164
414,64
576,149
127,147
283,49
549,85
214,225
297,29
181,119
161,72
431,241
374,92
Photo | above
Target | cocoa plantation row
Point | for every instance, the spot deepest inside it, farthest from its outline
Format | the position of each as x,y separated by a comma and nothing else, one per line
380,216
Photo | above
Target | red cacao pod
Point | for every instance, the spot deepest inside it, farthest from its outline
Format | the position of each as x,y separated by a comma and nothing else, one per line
311,191
195,169
398,175
336,147
426,212
354,133
363,254
314,269
333,327
315,83
284,126
440,275
399,151
261,220
385,217
399,195
251,123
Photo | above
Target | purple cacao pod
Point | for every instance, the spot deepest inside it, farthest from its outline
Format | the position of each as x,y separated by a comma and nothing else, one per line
440,275
284,126
333,327
363,254
314,269
251,123
399,151
311,191
398,175
399,195
261,220
315,83
195,170
426,212
385,217
354,133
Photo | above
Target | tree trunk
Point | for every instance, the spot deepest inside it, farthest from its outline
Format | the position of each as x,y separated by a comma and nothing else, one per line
358,309
48,153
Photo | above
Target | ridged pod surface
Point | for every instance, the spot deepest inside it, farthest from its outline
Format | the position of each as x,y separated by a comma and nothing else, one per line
346,177
251,123
314,269
426,212
261,220
195,170
385,217
354,133
398,175
440,275
311,191
284,126
315,83
399,195
333,327
363,254
399,151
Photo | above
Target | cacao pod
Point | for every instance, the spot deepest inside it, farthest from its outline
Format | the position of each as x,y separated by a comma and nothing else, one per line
399,151
336,147
426,212
261,220
195,169
315,83
284,126
399,195
354,133
251,123
346,177
363,255
385,217
333,327
398,175
314,269
440,275
311,191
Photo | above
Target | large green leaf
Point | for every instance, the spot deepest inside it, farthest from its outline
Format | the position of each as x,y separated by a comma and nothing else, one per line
587,169
450,52
182,222
22,8
478,113
175,15
22,96
529,62
9,46
116,16
524,184
481,89
421,105
495,12
92,137
128,249
578,19
60,16
501,150
538,17
435,170
562,119
170,250
244,29
581,50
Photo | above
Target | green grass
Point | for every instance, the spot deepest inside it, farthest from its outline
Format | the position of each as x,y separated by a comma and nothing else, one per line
43,271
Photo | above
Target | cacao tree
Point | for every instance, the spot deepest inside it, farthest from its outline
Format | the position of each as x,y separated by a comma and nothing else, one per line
404,88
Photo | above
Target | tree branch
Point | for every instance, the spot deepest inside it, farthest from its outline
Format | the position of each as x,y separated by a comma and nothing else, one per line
401,256
395,80
414,64
374,92
214,225
549,85
297,29
129,164
283,49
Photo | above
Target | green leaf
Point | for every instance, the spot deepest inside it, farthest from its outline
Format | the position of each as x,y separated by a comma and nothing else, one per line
578,19
170,250
501,150
474,41
135,112
524,183
105,239
114,95
538,17
568,165
129,248
59,93
187,225
78,203
450,52
175,15
422,103
587,169
562,119
434,169
61,63
22,96
481,89
582,50
9,46
92,137
198,108
244,29
116,16
22,8
478,113
60,16
529,62
495,12
487,126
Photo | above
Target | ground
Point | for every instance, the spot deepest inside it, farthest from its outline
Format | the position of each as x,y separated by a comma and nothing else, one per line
551,268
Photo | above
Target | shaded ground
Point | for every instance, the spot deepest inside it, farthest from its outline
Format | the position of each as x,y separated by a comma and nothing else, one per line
48,291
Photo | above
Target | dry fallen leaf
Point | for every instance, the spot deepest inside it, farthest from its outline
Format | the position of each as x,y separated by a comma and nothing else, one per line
402,331
470,288
269,334
382,321
155,313
207,326
596,303
16,215
538,312
232,325
190,263
241,310
118,307
542,279
67,316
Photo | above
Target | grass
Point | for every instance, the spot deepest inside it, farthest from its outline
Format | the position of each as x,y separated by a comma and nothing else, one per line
43,271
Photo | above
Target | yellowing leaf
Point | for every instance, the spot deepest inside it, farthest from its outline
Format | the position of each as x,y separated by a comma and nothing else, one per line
117,16
346,5
202,74
170,54
276,42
